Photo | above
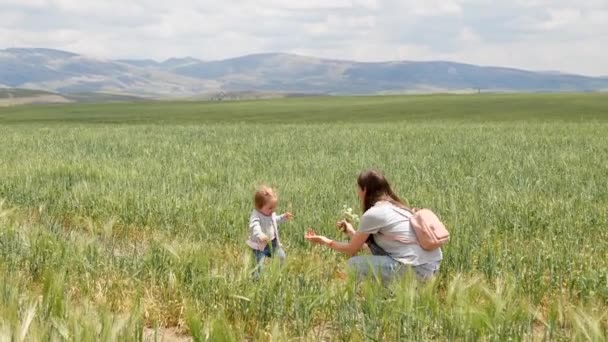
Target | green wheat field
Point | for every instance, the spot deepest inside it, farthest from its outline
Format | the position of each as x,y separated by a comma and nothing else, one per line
123,222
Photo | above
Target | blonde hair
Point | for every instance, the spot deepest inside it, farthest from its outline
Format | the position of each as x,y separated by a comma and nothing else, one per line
263,195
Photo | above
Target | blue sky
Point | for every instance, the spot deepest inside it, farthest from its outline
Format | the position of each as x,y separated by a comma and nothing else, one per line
560,35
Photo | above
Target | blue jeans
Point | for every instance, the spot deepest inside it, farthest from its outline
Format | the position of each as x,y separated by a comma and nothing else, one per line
272,249
386,268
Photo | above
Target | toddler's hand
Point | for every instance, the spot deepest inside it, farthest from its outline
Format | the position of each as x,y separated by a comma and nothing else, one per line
264,238
288,215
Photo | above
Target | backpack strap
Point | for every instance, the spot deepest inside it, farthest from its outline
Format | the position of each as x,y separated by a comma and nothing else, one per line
402,212
399,211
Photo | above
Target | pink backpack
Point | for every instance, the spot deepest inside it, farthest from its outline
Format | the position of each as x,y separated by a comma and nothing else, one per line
431,233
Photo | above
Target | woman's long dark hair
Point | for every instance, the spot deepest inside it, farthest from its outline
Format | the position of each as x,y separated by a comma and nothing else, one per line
376,189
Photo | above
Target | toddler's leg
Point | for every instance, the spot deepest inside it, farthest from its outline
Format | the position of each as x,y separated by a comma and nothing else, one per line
259,263
277,251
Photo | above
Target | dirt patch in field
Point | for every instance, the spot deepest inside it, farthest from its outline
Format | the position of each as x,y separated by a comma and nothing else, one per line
165,335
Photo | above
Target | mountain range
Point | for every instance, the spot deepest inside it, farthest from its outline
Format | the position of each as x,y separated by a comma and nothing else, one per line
68,73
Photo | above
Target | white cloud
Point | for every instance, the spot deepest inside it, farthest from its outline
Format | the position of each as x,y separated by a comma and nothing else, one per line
11,18
105,7
26,3
561,17
431,8
535,34
468,36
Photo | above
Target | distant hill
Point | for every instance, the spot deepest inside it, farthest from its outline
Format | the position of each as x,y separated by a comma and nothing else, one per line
13,93
103,97
67,73
12,97
17,96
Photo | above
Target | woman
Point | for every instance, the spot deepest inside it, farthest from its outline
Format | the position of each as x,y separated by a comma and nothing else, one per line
386,228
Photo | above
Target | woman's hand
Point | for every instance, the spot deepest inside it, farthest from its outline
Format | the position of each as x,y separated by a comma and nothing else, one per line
345,227
311,236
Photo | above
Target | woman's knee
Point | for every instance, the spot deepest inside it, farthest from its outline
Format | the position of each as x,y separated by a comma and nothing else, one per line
353,263
427,271
359,266
381,267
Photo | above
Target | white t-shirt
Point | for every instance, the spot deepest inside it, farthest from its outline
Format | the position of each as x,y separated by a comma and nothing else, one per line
393,233
261,224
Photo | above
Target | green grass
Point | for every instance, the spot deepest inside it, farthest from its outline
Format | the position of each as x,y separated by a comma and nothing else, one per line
425,108
135,214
